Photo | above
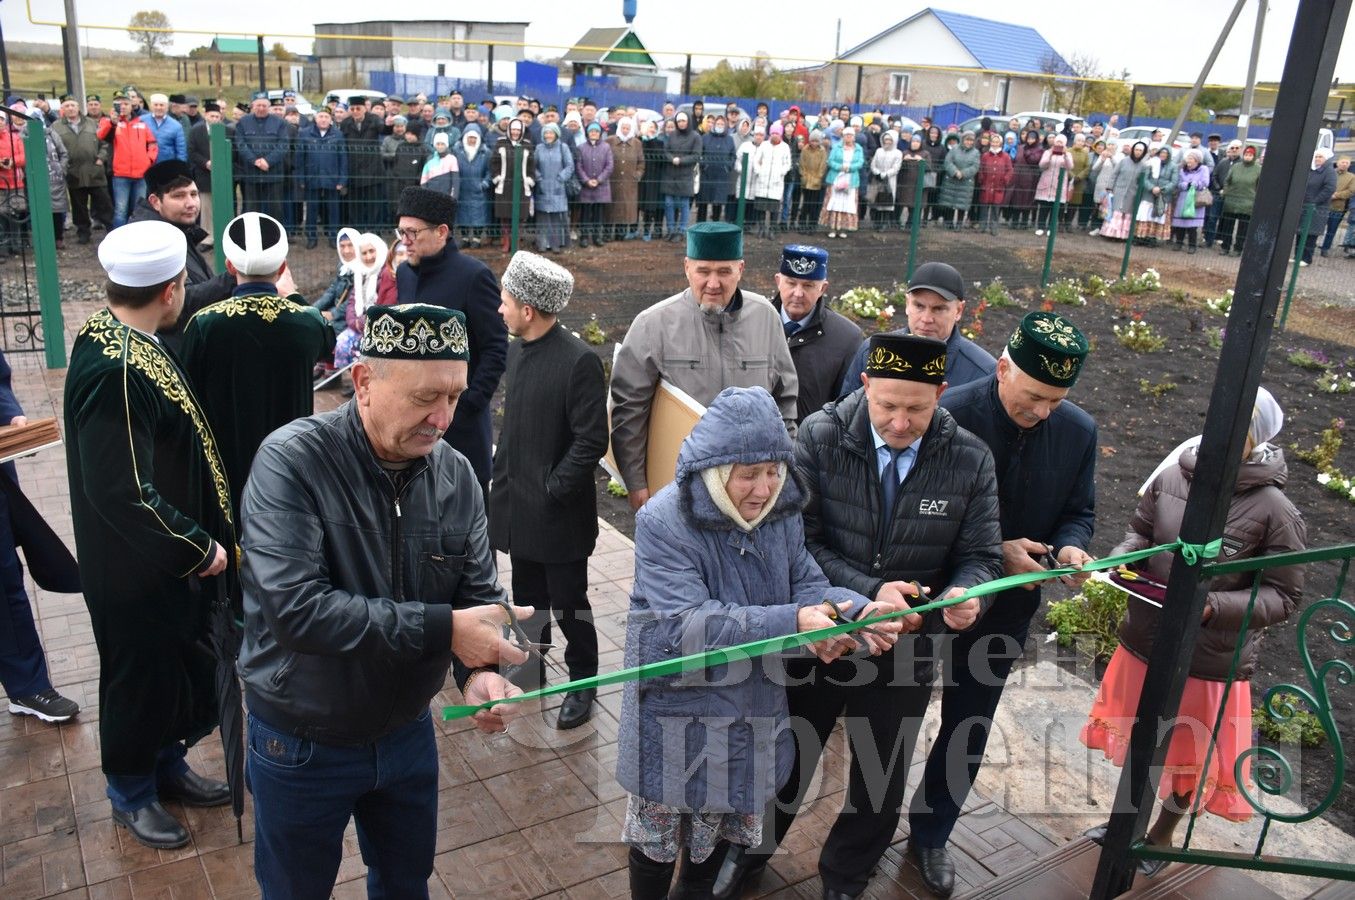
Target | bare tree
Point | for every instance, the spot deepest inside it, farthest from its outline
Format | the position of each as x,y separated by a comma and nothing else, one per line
151,29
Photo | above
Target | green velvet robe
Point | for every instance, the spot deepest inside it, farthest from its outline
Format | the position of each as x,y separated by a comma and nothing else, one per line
148,497
250,361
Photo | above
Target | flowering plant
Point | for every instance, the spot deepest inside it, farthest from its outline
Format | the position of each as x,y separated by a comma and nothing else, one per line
1067,291
867,303
1139,336
1221,305
1335,383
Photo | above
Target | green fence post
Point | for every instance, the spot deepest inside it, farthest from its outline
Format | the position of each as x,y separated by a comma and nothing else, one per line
1133,225
517,197
743,189
915,219
1307,222
223,189
1053,229
44,244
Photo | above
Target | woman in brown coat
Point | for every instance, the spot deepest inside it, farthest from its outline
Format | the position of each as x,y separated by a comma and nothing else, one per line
628,167
1261,522
813,166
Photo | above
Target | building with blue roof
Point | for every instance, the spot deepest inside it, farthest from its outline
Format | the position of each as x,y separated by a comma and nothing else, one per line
936,57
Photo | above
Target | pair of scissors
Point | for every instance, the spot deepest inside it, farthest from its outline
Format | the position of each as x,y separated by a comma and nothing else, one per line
836,613
515,634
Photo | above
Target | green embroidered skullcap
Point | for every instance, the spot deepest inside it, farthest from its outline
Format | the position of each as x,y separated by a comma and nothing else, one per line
1048,348
910,357
715,241
418,331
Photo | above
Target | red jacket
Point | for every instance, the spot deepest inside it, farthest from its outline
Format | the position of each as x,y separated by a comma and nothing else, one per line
134,146
995,173
12,149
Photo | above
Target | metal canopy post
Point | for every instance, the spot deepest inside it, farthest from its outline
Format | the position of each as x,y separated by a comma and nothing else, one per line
1298,110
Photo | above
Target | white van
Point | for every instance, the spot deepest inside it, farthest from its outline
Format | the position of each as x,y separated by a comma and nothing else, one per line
341,95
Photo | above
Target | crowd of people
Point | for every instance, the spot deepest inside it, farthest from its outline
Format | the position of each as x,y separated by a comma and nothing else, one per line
831,477
586,175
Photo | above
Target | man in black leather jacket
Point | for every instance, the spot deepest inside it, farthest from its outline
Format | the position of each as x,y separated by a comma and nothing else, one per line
358,595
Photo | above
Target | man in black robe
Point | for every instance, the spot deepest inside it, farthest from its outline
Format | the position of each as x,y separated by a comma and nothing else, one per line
153,530
250,357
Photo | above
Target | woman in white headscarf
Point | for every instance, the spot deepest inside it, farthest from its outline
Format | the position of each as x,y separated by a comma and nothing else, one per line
628,167
884,176
366,271
1261,522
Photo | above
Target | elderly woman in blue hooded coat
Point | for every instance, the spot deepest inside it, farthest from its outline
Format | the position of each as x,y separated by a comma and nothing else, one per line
720,560
472,207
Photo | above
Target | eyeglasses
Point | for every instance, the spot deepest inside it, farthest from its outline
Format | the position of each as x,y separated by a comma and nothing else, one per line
409,234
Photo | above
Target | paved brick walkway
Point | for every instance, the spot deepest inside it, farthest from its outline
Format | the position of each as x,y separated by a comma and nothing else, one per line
533,813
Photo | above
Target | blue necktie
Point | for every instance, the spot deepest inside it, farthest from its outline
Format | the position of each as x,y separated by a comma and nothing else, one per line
791,327
889,484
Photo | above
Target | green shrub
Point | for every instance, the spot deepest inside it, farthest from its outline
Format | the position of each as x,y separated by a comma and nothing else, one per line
1067,291
1096,287
1323,455
1145,283
995,293
1314,360
1302,729
1096,611
1162,388
1139,336
593,333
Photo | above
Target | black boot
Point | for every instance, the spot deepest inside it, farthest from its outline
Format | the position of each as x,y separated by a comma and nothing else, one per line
696,879
739,870
649,880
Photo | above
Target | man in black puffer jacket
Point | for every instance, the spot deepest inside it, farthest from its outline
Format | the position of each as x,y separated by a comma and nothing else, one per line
900,498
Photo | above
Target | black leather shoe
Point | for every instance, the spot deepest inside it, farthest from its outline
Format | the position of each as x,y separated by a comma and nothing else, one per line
153,826
738,872
191,789
938,872
831,894
577,709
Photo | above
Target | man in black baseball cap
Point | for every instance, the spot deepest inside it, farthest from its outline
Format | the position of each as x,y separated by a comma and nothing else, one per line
936,296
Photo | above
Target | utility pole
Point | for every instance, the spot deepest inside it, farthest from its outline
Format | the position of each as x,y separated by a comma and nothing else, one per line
263,73
1249,92
1204,72
837,48
75,61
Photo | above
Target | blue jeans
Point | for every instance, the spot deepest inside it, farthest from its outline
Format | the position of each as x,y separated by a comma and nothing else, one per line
1334,218
131,792
680,205
305,793
127,193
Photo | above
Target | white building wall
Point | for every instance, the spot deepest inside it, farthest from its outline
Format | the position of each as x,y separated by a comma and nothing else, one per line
923,42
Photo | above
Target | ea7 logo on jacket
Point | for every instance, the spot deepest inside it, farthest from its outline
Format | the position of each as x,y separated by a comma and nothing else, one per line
932,507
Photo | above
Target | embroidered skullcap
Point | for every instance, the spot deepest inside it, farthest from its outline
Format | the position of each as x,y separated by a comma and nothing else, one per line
804,261
1048,348
141,254
255,244
538,282
909,357
416,331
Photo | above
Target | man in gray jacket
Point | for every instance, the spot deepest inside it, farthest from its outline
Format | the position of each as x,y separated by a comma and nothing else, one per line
711,336
358,595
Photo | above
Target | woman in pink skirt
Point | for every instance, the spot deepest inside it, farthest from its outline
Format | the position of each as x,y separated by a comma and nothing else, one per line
1261,522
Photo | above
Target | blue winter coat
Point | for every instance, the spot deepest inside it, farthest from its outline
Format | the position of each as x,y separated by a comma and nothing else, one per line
717,168
257,138
321,161
703,583
173,143
554,165
472,207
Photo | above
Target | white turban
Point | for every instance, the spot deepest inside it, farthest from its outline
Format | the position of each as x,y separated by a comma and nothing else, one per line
255,244
142,254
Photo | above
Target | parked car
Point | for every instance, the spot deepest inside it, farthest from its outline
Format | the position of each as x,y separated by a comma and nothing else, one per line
1325,138
302,105
1000,121
341,95
713,108
1134,133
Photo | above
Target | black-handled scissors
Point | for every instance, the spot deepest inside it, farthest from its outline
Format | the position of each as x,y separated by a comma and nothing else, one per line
515,634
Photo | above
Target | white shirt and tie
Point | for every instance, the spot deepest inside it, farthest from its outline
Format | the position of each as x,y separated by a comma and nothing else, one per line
886,458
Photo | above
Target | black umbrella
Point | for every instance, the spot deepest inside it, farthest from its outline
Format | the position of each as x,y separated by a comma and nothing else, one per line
225,637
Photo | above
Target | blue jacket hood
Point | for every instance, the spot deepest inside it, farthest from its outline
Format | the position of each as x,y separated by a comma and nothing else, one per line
742,426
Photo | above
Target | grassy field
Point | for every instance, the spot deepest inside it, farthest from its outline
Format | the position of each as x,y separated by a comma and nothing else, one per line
39,74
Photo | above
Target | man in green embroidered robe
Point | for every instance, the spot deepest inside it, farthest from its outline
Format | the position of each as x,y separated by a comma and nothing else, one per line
249,357
153,531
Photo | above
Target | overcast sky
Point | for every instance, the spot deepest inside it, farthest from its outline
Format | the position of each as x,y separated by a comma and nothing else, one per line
1154,42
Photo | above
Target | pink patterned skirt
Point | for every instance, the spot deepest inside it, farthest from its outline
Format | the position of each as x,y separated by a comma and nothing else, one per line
1114,712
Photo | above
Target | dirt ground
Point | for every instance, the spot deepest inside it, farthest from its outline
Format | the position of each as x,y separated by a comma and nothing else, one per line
1136,428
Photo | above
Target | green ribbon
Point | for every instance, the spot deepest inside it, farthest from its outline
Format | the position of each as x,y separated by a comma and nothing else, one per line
1191,553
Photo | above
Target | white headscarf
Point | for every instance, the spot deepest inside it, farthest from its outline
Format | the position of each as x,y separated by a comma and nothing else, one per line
716,478
471,150
351,235
1267,418
625,128
365,277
